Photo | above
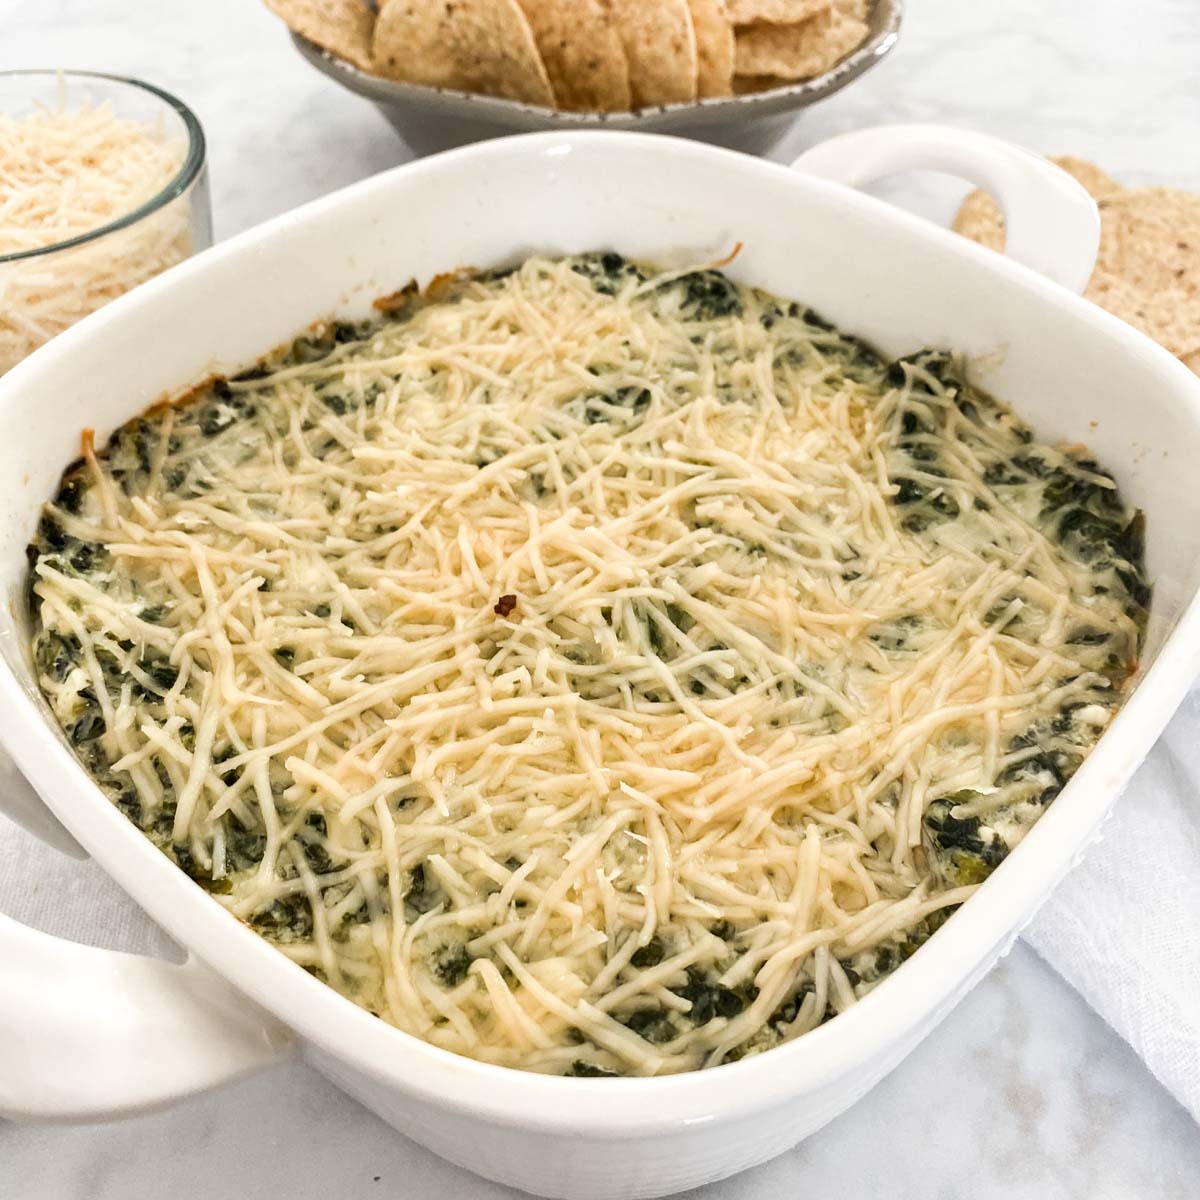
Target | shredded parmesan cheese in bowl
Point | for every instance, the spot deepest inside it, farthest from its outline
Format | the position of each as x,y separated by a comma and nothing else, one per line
102,186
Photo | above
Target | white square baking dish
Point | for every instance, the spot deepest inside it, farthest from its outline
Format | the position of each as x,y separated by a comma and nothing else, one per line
86,1033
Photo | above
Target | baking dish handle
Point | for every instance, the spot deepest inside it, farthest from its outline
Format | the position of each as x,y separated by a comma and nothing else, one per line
89,1034
1052,224
20,803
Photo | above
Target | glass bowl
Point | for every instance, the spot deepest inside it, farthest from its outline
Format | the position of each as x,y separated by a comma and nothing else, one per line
104,262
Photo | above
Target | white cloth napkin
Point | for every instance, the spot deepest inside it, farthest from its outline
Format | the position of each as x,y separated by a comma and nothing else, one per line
1123,928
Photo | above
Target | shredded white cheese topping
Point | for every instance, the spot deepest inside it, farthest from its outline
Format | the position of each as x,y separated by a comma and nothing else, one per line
64,174
566,676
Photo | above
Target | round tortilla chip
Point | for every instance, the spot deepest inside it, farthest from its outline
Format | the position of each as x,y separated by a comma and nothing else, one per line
582,53
343,27
714,47
1095,181
748,85
660,46
979,219
1148,267
468,45
798,51
775,12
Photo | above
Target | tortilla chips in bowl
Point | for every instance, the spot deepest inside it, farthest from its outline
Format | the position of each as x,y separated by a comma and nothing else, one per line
731,72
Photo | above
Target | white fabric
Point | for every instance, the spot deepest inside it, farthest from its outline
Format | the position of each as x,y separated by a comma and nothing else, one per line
1124,927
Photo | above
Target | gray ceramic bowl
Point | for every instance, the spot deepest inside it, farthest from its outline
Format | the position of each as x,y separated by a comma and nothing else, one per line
431,119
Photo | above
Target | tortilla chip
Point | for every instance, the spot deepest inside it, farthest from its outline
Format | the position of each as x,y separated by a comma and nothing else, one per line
860,10
775,12
1148,268
343,27
1094,180
660,45
714,47
748,85
979,217
582,53
469,45
797,51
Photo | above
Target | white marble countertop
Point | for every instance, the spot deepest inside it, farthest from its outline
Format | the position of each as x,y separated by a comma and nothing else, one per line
1023,1091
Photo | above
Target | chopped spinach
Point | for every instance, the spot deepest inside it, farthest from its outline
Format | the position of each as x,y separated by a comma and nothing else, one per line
653,1024
452,964
649,955
287,919
581,1069
708,295
313,838
163,675
968,849
423,893
710,999
244,848
72,488
607,272
58,655
89,725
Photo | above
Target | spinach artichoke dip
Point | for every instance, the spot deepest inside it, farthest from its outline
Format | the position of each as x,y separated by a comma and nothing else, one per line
586,668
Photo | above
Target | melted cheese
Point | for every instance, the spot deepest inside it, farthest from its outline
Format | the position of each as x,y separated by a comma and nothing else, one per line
590,670
64,174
